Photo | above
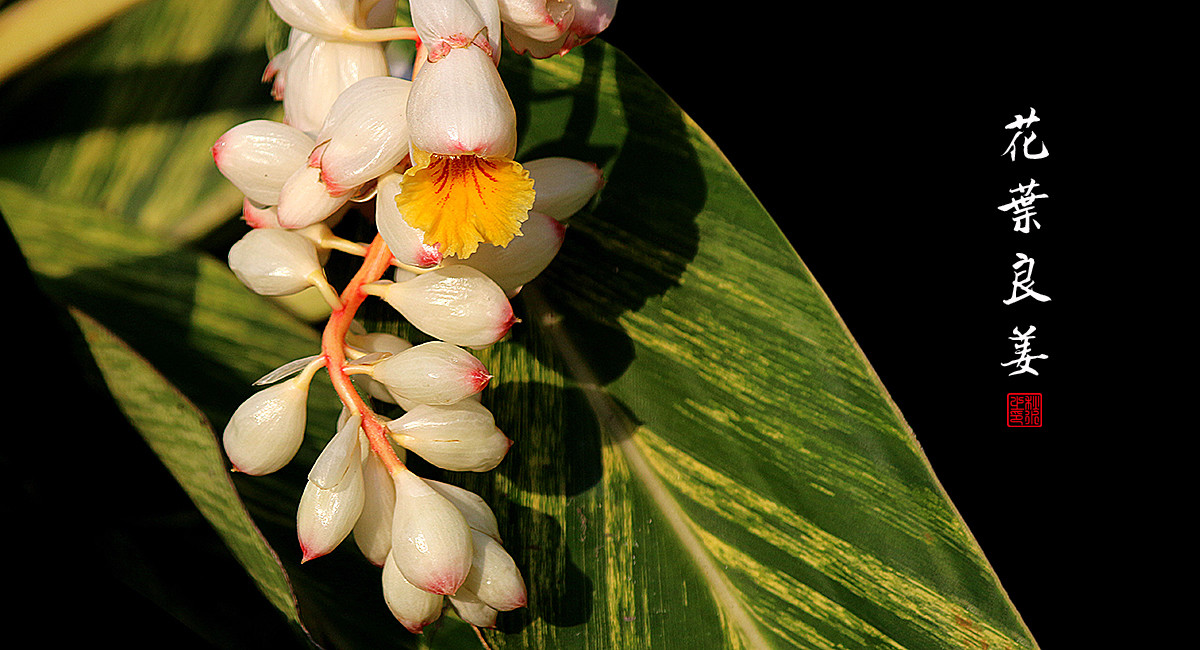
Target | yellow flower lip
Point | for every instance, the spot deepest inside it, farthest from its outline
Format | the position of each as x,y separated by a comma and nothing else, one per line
460,201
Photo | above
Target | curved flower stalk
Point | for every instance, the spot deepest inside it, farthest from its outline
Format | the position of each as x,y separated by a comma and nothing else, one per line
462,225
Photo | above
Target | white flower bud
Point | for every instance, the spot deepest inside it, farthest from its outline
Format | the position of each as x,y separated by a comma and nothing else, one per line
326,516
406,242
461,437
474,509
432,373
431,541
540,20
304,199
590,18
275,262
494,577
373,530
366,133
471,609
459,105
457,304
318,70
563,186
259,155
266,431
523,258
414,608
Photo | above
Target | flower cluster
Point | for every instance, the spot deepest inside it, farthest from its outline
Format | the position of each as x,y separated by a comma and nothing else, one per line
428,153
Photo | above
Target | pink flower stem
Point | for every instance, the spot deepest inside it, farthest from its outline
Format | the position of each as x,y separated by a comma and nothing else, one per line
333,340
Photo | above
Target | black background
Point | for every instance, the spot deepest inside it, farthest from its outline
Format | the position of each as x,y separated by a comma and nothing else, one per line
876,142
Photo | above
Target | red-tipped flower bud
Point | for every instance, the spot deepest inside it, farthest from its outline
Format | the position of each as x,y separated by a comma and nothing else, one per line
414,608
432,373
457,304
431,541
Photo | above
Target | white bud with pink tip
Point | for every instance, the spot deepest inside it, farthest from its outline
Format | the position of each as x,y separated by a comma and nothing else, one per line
305,199
334,496
431,541
457,304
563,185
588,18
414,608
432,373
365,134
258,157
539,20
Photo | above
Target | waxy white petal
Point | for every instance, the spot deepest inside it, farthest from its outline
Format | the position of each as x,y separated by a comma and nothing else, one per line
563,186
305,200
373,530
274,262
541,20
259,155
326,516
333,465
414,608
457,304
471,609
590,18
432,373
331,19
319,70
474,509
523,259
459,105
431,541
259,216
266,431
461,437
365,134
406,243
494,577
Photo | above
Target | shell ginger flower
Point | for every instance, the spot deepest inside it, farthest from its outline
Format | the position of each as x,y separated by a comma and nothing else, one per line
464,188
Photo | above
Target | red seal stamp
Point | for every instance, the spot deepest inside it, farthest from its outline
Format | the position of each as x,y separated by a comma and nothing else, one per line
1024,409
